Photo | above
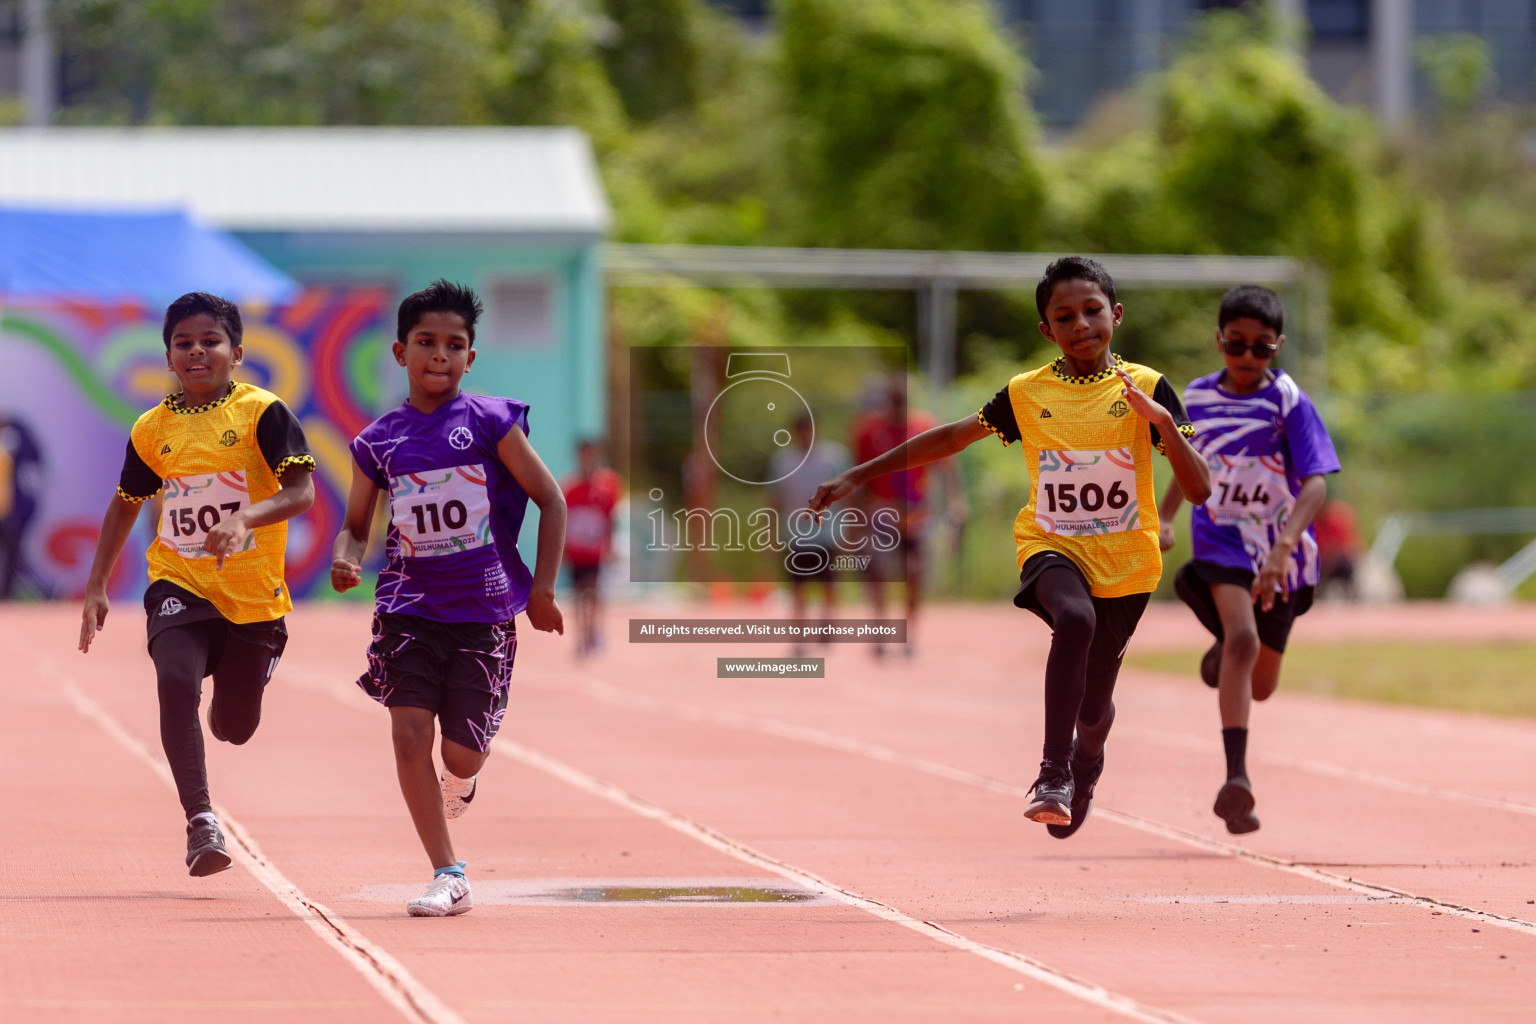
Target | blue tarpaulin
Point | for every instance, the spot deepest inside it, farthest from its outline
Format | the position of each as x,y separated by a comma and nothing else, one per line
115,256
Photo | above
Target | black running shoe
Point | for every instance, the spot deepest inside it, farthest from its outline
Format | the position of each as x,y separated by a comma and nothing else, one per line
1085,775
205,848
1234,805
1052,803
1210,666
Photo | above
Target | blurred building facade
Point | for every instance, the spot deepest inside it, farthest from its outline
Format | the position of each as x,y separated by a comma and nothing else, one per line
1359,51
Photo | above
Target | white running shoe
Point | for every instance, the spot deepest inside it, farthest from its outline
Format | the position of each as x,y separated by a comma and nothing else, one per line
457,793
446,896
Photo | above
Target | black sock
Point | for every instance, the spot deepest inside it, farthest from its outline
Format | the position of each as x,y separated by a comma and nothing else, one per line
1236,743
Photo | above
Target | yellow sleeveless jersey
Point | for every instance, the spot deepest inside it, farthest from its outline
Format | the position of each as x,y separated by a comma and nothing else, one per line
213,460
1089,458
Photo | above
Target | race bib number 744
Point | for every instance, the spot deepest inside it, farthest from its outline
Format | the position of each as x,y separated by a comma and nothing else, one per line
441,511
1078,494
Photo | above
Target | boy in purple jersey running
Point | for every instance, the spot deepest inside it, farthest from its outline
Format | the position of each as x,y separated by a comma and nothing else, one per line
459,472
1255,564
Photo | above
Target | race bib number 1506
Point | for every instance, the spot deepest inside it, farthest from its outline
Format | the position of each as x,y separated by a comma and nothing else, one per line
1078,494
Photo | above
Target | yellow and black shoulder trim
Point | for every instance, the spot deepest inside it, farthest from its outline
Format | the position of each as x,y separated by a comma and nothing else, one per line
982,419
307,461
132,499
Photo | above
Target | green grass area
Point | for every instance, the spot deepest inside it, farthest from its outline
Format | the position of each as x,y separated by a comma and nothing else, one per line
1495,678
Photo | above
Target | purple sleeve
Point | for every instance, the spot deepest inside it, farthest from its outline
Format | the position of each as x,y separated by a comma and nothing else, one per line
1310,446
502,416
362,454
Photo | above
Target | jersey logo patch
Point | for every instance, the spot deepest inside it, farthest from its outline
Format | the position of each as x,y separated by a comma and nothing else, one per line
461,438
165,450
229,439
171,606
1045,414
1119,409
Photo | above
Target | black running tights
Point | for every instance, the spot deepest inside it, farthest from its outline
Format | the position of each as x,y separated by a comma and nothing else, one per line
183,656
1081,668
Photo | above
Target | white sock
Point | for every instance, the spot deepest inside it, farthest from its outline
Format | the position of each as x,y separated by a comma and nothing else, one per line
205,814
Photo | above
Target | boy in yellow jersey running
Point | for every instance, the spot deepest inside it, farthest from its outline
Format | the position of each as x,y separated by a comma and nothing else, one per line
235,467
1087,542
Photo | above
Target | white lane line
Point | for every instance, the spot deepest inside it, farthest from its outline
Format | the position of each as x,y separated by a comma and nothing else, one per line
610,694
1087,991
1079,988
975,712
389,978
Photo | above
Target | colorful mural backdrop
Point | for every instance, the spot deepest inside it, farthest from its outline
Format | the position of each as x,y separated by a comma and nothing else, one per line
74,377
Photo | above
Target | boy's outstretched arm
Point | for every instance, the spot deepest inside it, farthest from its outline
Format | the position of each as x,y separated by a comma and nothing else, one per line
1173,500
116,525
294,497
1189,468
1274,573
930,446
352,541
529,470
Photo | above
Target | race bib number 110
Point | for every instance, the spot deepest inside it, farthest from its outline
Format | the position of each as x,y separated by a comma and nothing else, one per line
1079,494
441,511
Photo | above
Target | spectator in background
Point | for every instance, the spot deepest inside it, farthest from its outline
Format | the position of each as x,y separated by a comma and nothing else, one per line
1338,547
796,470
21,464
590,497
906,492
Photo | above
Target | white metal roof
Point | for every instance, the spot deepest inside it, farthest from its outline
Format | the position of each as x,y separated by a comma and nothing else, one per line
317,179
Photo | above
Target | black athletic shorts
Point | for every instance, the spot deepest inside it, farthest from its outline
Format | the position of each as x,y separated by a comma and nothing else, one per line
170,606
460,671
584,577
1193,585
1115,618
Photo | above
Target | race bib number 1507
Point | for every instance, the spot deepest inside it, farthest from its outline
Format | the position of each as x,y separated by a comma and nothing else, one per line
1078,494
196,504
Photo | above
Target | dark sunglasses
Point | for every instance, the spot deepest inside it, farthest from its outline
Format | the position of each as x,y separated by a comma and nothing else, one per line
1260,349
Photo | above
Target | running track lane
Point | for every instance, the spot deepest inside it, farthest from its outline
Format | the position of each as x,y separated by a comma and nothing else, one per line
928,849
315,790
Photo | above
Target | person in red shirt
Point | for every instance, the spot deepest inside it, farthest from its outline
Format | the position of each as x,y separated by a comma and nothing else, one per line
906,491
590,497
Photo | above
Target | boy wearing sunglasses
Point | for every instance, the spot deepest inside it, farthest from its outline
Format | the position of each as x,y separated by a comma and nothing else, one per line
1255,564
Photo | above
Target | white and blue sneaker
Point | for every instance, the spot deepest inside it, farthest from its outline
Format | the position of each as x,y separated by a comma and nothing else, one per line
446,896
457,793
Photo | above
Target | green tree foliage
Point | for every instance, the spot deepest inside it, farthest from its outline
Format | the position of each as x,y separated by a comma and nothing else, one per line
655,55
279,61
906,126
552,70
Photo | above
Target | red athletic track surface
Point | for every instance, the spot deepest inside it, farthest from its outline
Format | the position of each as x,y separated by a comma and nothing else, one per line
1393,879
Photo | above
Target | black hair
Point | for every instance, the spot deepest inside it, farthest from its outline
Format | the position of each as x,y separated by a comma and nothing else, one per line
225,313
1253,301
1072,268
441,296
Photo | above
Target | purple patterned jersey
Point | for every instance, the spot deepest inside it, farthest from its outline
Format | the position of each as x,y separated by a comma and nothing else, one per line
454,510
1259,448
